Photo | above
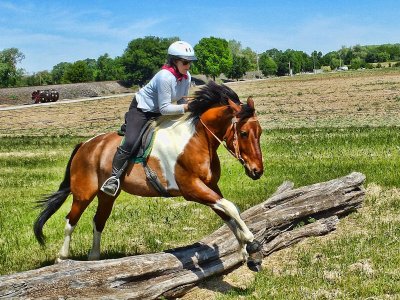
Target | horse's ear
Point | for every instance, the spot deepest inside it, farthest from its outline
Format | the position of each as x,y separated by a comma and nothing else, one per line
250,102
236,107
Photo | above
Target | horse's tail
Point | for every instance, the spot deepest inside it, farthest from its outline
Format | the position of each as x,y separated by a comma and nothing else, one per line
53,202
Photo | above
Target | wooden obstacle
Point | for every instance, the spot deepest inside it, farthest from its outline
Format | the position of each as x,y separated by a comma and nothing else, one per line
287,217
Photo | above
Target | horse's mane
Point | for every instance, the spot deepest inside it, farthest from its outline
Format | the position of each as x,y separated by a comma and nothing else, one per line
210,95
246,112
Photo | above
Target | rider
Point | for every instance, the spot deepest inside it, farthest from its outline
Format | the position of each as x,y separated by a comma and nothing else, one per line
163,95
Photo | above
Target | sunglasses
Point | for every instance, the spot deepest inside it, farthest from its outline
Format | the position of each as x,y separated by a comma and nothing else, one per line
185,62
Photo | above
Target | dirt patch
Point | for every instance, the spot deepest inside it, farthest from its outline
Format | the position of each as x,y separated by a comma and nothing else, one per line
22,95
322,100
331,100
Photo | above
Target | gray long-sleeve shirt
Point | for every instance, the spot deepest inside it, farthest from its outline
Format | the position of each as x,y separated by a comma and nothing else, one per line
162,93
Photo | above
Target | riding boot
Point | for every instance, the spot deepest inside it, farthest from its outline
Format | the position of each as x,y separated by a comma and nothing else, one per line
119,164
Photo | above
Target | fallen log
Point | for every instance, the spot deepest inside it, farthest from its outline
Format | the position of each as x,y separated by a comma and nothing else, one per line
289,216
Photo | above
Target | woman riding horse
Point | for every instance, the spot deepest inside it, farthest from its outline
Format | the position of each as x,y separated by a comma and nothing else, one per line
168,86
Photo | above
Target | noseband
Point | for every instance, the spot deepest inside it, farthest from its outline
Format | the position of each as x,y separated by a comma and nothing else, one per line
235,142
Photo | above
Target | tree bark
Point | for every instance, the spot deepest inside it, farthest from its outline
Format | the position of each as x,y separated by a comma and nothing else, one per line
289,216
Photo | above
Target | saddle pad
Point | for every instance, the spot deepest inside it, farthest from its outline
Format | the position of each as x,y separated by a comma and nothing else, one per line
146,144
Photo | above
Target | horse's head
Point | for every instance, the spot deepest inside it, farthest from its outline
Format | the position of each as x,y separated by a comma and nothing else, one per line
218,105
243,138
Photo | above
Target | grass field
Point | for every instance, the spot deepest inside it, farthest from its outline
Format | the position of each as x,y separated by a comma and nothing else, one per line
326,139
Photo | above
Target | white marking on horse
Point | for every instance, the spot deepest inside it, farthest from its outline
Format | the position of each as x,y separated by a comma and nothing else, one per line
171,138
231,210
68,230
95,252
236,224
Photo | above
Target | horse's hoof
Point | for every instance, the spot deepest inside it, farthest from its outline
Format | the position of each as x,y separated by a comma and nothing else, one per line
254,265
255,256
253,247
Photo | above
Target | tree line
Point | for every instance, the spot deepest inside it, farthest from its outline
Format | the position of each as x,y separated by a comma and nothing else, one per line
143,57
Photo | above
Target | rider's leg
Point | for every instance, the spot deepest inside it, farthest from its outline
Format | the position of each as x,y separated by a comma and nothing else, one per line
119,164
135,119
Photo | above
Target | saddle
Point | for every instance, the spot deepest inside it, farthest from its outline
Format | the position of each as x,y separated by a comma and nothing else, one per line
146,140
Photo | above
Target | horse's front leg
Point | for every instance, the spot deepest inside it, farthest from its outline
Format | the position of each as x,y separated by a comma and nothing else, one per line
250,248
228,211
230,214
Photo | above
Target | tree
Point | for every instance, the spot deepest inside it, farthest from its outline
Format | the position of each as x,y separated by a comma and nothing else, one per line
251,57
281,60
383,56
108,68
316,58
274,53
143,58
235,47
345,55
335,63
393,50
356,63
359,51
331,59
243,60
267,65
9,74
240,65
92,66
58,71
214,56
79,71
39,78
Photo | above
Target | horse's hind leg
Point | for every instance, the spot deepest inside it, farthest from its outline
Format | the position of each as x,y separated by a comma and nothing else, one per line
104,208
77,208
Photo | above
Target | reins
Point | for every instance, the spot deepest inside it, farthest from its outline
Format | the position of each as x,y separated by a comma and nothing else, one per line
235,154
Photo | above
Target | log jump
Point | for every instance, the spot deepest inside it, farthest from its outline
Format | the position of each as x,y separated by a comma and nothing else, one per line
287,217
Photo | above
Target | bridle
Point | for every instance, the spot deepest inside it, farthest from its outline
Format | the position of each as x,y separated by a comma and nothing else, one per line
235,142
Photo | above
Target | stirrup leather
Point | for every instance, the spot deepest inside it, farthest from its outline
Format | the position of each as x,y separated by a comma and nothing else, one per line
104,187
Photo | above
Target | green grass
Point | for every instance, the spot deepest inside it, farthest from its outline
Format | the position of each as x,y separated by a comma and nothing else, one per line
360,261
33,166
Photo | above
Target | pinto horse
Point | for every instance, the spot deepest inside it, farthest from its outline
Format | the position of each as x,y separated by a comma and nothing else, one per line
184,157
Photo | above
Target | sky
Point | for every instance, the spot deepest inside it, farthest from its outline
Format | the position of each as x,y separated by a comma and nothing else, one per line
49,32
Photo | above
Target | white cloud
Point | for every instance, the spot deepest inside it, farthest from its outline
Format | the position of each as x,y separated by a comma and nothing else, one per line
69,34
66,35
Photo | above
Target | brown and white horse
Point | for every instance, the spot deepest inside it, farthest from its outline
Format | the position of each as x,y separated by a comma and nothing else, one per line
184,156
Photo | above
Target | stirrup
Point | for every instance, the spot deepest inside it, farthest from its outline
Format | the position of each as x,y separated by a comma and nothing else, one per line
106,188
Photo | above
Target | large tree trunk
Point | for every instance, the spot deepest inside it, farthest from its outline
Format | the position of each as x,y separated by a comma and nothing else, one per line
287,217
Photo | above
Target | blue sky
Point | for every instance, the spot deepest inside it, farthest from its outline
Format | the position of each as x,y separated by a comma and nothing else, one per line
50,32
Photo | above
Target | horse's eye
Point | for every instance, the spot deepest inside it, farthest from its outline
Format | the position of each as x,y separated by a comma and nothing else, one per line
243,134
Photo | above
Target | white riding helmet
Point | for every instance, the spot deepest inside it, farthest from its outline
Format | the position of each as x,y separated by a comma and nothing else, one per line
182,50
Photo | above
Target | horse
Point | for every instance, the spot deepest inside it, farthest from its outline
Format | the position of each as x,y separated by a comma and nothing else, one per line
183,156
